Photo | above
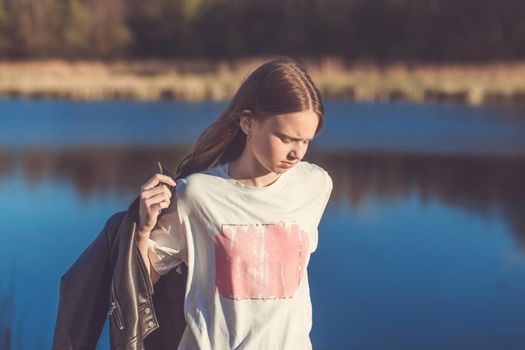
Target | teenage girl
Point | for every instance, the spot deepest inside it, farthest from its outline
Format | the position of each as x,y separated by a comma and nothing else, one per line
244,216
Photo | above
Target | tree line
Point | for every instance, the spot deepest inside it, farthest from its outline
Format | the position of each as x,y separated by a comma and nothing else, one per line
378,30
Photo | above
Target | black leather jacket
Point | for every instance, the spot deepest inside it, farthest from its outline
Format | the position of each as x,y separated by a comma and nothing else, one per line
110,279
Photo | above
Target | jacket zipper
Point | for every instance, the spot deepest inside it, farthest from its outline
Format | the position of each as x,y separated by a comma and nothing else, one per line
114,309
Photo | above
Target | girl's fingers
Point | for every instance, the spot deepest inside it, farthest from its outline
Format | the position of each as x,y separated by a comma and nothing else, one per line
162,205
156,179
154,191
159,198
157,207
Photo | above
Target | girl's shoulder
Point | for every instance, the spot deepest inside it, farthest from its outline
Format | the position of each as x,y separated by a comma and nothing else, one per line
198,182
310,170
317,177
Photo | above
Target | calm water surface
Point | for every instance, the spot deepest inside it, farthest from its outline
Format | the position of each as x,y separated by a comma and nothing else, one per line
422,245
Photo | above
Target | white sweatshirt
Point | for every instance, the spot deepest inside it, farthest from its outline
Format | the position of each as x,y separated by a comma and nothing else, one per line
247,250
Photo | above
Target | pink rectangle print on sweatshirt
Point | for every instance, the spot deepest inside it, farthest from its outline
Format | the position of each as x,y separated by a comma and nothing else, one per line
260,261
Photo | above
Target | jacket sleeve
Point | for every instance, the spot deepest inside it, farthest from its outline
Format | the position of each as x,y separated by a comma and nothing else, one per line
84,292
167,242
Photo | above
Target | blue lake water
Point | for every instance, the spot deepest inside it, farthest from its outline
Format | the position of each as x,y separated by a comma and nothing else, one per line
422,245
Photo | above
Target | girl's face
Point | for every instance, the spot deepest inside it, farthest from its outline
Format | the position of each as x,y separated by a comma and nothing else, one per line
278,142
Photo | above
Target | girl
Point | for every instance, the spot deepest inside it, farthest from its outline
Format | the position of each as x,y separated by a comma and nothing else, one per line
244,216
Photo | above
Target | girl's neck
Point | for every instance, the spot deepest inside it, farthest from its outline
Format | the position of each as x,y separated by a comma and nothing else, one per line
250,172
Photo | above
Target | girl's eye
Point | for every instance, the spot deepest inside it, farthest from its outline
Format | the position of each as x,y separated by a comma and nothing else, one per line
288,140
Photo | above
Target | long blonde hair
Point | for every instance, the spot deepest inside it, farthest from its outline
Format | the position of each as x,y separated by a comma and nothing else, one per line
278,86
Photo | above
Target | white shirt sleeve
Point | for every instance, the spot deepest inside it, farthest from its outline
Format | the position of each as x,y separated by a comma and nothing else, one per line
324,201
167,243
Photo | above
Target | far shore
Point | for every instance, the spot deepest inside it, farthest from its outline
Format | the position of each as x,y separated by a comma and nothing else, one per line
200,80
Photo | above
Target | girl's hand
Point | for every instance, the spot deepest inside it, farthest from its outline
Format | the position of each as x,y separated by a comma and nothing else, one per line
154,196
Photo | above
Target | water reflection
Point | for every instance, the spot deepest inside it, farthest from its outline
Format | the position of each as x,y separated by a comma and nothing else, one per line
486,185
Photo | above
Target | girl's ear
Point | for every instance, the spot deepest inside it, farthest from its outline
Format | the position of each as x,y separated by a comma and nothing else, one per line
246,121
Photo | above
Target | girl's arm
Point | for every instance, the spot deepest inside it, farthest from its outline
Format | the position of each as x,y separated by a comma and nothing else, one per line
155,195
143,244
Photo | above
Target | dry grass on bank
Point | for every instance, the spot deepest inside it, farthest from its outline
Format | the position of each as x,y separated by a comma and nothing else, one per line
197,80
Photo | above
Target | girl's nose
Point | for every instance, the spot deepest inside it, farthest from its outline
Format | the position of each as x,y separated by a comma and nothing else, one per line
296,153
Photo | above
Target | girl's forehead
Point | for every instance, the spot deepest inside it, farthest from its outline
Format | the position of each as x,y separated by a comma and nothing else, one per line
292,119
301,124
